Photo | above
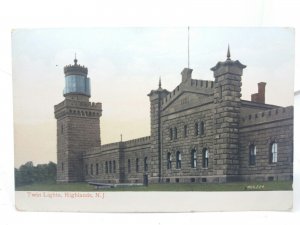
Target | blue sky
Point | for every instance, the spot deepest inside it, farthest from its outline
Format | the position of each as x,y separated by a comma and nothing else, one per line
124,65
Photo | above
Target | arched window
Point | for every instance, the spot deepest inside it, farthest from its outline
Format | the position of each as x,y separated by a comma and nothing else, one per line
201,128
194,158
137,165
171,133
205,158
129,166
97,169
252,154
92,169
169,160
273,152
178,160
110,167
145,164
114,166
196,129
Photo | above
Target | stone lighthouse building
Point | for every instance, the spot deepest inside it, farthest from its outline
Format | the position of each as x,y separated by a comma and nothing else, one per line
201,131
78,124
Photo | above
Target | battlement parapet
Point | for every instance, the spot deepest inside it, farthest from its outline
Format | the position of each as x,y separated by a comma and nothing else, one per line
119,145
266,116
206,86
81,104
138,141
111,146
78,108
201,83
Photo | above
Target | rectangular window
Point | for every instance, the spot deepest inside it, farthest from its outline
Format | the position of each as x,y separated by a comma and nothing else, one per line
169,160
274,153
129,166
137,165
114,166
145,164
171,134
252,154
196,129
97,169
106,167
110,167
86,170
201,128
175,133
178,160
205,158
92,169
194,158
185,132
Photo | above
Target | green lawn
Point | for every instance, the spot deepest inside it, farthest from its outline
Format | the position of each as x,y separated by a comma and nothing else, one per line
236,186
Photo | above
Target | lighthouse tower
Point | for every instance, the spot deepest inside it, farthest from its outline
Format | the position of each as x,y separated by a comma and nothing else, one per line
78,123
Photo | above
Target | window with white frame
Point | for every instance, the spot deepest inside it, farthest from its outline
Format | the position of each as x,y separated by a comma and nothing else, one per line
205,158
178,160
273,152
252,154
194,158
169,160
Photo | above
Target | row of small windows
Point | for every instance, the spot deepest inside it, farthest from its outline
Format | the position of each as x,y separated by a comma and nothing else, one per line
273,153
137,165
110,167
198,130
193,159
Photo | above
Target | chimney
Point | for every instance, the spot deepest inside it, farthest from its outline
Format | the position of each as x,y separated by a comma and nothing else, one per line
186,74
260,96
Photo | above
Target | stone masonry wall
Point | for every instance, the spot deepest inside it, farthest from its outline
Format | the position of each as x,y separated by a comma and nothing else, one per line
107,159
262,129
116,156
187,140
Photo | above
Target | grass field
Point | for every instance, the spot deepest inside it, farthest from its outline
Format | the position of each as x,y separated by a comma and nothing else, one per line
236,186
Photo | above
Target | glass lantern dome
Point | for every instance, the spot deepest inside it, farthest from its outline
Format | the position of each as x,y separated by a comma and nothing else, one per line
76,80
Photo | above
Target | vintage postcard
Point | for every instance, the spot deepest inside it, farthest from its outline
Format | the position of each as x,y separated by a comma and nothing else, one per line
153,119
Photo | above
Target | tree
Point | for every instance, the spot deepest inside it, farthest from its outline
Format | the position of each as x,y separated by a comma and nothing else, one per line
28,173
